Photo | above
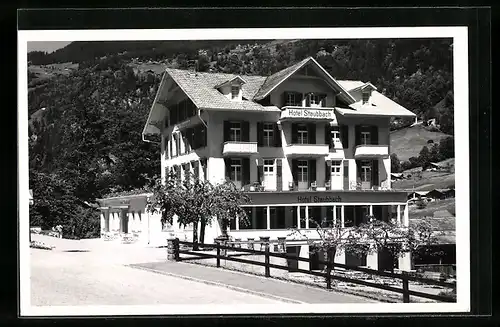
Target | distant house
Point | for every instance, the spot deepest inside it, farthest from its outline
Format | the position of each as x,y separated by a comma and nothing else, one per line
437,166
397,176
441,193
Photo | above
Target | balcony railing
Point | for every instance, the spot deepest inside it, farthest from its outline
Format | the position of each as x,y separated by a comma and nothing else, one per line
306,150
239,148
369,151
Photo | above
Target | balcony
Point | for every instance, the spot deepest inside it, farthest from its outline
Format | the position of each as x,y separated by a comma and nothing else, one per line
307,113
307,150
239,148
370,151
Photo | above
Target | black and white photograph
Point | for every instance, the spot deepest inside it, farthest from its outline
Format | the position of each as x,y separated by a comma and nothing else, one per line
262,171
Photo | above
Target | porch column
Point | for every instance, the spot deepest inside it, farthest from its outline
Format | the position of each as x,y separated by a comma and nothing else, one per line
406,218
237,223
405,262
307,216
268,211
103,222
398,208
334,215
371,210
130,221
342,217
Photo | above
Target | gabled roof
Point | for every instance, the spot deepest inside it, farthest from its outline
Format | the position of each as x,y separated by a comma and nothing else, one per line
277,78
380,106
200,88
241,80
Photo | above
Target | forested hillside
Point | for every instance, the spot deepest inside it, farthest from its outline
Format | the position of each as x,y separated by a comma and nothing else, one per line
87,142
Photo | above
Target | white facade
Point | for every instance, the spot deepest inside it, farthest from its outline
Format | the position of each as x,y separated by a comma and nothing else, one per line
317,148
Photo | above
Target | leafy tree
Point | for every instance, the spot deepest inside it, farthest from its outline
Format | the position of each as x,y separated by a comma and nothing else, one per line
447,147
395,163
424,157
194,201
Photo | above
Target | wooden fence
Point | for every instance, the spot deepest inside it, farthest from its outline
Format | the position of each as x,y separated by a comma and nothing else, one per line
221,254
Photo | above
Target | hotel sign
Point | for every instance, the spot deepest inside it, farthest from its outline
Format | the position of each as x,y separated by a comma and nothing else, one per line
308,114
318,199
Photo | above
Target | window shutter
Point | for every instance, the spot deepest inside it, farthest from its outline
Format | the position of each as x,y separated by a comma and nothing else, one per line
227,163
260,134
328,172
375,179
346,174
357,132
284,97
203,136
260,173
279,173
245,131
196,169
295,171
311,133
323,100
277,136
196,137
246,171
374,135
308,100
298,99
344,135
178,143
204,168
328,135
226,131
312,170
294,134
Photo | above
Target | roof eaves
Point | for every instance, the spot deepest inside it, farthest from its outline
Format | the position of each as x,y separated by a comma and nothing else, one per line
282,79
154,102
229,81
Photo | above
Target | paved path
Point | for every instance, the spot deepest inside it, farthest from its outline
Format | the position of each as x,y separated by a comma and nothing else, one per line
287,290
95,273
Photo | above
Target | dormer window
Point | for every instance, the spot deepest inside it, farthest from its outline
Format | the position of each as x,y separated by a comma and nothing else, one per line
235,91
366,97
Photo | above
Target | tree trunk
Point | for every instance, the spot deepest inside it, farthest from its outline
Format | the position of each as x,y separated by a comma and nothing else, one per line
195,236
202,230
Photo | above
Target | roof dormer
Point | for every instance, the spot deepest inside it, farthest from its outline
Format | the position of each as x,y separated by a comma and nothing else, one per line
232,88
366,93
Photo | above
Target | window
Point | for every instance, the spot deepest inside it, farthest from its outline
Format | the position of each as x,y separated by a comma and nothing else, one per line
302,173
335,132
235,132
366,170
302,137
268,166
366,97
236,170
365,138
268,137
336,166
314,99
290,99
235,91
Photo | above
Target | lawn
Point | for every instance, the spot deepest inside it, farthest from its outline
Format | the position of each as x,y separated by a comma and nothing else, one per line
407,142
428,211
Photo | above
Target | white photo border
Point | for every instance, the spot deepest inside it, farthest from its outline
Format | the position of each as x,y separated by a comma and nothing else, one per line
461,107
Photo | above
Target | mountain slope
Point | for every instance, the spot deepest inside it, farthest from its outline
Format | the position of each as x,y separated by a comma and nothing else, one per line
407,142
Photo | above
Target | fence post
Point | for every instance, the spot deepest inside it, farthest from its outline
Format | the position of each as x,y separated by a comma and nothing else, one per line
406,294
268,270
328,275
217,246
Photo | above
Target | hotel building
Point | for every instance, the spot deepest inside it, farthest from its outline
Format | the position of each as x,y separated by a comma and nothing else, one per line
300,142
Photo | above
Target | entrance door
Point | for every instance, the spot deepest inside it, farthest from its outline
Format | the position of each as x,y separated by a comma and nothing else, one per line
336,175
303,183
269,176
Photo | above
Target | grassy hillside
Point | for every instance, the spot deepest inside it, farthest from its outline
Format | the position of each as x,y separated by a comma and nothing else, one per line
428,211
426,181
407,142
